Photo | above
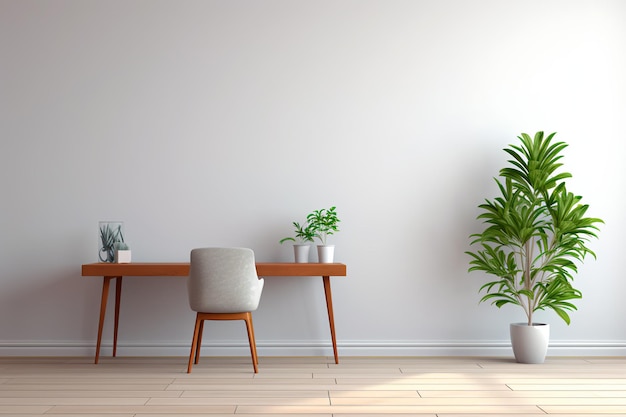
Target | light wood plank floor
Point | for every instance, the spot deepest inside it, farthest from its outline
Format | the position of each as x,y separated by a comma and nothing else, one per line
312,387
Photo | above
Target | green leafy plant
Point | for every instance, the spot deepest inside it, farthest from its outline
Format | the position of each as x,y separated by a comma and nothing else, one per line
302,233
109,236
323,222
536,232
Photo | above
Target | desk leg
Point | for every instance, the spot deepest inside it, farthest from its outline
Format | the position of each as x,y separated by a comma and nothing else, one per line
103,310
331,316
118,297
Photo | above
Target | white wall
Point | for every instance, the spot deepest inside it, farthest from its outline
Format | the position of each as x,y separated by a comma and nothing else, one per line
204,123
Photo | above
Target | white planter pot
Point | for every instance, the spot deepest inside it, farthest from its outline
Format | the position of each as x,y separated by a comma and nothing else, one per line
326,254
530,343
301,253
122,256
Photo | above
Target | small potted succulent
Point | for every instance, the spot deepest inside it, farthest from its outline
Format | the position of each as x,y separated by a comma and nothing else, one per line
324,223
122,253
302,234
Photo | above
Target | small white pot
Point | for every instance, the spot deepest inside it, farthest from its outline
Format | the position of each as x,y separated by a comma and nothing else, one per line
301,253
122,256
530,343
326,254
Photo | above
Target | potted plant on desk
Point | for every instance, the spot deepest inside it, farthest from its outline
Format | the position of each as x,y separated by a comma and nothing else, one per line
122,253
302,235
324,222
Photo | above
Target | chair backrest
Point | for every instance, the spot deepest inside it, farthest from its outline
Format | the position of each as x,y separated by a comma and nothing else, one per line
223,280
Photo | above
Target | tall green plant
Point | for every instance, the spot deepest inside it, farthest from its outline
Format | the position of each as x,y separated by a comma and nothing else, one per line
536,232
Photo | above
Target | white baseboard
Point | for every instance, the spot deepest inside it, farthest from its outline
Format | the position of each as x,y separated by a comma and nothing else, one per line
309,348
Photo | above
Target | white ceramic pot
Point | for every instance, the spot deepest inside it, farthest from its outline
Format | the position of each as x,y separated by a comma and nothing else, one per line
122,256
301,253
326,254
530,343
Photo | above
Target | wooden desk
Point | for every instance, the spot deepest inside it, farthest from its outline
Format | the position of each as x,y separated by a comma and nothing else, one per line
113,271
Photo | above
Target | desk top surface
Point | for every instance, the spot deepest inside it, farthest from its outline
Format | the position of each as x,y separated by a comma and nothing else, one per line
181,269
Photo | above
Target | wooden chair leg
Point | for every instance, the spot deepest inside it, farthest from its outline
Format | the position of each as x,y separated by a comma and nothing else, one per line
194,342
199,343
252,341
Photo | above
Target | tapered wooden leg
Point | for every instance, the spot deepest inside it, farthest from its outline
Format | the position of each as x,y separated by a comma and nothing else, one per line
199,342
331,316
118,298
194,342
252,341
103,310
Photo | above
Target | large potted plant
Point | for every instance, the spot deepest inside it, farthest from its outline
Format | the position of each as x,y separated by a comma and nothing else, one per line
324,223
302,235
536,233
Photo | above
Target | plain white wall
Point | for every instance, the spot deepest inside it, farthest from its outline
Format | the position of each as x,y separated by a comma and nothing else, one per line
203,123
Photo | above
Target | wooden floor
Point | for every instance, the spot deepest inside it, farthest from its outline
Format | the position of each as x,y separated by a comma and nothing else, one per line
312,387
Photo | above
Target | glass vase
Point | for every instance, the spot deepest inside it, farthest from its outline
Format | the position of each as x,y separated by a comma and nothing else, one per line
109,233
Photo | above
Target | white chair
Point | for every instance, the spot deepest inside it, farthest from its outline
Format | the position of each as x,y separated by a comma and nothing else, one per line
223,285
